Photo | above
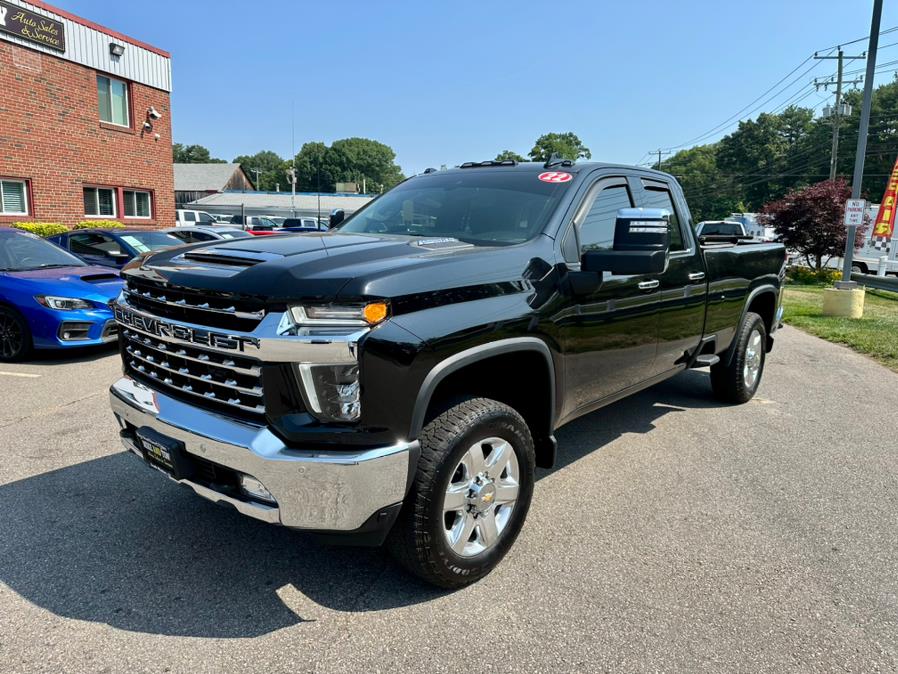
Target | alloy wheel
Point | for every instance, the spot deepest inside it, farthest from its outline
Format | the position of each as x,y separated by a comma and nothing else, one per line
754,353
481,497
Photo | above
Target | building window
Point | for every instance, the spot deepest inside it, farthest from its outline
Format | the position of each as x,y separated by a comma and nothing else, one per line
113,95
138,204
99,202
13,197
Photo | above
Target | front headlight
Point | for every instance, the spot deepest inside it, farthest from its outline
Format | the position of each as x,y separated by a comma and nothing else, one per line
371,313
63,303
332,391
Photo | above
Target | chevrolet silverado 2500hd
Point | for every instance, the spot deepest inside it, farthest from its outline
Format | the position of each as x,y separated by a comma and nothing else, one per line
398,378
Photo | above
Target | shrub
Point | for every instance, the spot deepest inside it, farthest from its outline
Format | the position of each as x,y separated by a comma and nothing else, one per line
805,276
44,229
99,224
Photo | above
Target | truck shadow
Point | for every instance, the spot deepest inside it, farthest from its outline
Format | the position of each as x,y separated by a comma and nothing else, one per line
106,541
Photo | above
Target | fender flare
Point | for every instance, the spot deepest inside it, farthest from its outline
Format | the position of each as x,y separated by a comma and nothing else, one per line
755,293
464,358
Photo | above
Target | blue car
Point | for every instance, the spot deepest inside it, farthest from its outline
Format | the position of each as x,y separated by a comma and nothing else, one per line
50,299
113,247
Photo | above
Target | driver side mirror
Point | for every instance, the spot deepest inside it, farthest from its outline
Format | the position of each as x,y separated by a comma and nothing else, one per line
641,244
338,215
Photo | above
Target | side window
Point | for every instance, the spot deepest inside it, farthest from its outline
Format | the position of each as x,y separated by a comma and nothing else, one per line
656,196
93,244
597,228
189,216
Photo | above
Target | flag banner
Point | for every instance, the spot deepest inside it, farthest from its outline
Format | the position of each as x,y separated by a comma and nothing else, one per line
885,219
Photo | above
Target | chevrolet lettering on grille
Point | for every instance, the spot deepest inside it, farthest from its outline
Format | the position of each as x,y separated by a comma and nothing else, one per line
164,329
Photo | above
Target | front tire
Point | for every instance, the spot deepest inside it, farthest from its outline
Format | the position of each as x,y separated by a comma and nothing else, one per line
15,337
470,495
737,381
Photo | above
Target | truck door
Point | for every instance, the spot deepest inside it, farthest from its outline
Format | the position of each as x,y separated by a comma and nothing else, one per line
684,288
609,336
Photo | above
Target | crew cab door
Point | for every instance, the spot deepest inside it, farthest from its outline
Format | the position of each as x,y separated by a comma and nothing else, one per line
609,335
684,288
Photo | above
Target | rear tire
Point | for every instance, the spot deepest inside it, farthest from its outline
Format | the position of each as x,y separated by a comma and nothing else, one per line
737,381
15,337
470,494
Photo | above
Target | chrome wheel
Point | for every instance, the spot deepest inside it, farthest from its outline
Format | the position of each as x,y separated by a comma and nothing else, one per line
481,496
754,354
10,336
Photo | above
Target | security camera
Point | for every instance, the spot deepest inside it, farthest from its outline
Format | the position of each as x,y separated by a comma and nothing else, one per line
152,113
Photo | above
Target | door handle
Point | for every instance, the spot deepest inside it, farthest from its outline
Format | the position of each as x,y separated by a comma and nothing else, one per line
649,285
696,276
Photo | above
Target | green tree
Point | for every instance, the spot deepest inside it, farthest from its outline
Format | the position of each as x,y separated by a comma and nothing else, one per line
507,155
361,160
710,196
565,145
271,170
193,154
310,158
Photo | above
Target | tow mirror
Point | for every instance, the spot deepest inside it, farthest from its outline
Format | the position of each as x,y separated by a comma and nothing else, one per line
338,215
641,244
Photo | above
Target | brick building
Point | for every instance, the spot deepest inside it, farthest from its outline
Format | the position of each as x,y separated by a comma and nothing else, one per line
85,122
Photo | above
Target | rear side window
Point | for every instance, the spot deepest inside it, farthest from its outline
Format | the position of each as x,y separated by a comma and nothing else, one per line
189,216
655,196
597,228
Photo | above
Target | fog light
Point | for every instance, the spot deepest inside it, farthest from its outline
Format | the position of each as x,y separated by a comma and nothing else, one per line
251,487
332,390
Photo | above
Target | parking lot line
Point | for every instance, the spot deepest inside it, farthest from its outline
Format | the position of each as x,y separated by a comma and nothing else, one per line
24,375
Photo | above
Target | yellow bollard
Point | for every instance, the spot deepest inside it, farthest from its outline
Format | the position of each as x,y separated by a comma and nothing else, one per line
847,302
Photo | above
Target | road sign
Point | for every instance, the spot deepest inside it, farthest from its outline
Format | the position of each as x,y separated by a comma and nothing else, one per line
854,212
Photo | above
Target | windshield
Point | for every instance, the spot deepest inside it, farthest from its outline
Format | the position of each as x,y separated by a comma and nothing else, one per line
21,252
146,241
234,234
484,207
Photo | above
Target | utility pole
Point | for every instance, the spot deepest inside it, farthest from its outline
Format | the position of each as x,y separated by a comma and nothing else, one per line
319,191
837,109
257,172
660,152
862,140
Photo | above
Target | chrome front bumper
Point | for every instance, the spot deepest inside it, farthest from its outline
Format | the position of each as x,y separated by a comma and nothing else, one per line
320,490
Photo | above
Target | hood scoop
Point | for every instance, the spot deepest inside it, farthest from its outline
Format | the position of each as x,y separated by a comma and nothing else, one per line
229,257
100,278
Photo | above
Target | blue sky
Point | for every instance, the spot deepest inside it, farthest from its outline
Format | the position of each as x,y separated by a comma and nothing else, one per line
447,82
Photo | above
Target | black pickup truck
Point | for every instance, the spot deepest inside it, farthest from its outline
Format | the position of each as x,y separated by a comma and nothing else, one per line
398,378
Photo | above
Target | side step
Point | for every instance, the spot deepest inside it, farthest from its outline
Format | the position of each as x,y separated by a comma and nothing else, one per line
706,360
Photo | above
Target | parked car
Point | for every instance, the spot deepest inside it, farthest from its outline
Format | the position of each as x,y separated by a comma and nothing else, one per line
277,220
253,221
113,247
304,225
400,377
189,217
721,228
210,233
221,219
50,299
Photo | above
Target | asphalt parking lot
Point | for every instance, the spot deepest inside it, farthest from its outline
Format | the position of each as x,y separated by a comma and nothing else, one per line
676,534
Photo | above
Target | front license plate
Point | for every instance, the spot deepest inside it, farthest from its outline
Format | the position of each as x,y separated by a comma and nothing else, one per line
164,452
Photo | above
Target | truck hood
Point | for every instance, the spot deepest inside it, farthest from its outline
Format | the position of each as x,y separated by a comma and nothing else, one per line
327,266
98,284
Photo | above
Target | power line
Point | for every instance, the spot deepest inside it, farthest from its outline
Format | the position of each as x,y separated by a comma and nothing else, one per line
741,113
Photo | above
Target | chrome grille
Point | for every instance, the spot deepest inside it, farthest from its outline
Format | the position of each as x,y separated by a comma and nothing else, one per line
222,382
207,308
